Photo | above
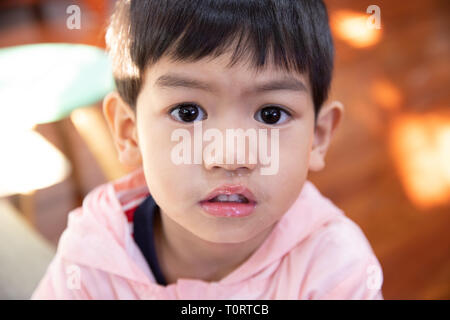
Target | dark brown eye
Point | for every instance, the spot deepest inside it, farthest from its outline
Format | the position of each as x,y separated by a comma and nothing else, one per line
188,112
272,115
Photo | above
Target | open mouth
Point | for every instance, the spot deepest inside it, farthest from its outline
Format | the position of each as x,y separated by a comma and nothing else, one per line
239,198
229,201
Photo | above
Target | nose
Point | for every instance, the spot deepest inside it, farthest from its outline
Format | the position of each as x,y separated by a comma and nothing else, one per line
232,168
237,153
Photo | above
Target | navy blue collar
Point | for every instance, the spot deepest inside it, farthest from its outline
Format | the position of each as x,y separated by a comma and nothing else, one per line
143,225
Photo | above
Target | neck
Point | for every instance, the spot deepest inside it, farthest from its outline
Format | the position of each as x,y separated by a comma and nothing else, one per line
181,254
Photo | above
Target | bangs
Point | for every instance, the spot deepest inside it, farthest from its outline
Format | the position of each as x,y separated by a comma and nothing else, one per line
290,35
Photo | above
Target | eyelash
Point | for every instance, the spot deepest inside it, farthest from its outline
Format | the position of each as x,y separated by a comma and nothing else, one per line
178,106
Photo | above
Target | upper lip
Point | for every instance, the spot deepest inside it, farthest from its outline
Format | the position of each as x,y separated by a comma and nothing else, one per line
230,189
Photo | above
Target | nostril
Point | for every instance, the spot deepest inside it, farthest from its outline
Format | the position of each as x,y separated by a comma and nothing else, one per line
231,169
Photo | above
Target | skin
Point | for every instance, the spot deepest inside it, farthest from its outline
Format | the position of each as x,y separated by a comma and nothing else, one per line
189,242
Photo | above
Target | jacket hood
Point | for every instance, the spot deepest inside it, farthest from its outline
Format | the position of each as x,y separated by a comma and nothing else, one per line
98,234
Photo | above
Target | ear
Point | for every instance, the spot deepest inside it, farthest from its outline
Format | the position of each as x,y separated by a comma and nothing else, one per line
122,122
328,120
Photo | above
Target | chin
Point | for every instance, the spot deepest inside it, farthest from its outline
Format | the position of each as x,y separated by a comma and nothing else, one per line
223,236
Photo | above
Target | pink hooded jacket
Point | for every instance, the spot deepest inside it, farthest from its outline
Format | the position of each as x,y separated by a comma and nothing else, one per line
314,252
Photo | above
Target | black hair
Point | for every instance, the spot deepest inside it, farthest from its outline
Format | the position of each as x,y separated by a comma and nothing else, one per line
294,33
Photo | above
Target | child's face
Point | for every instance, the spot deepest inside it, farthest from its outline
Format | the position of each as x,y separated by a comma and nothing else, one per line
230,104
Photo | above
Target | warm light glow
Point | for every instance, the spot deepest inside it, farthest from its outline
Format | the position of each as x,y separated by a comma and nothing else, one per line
29,162
352,27
386,94
421,149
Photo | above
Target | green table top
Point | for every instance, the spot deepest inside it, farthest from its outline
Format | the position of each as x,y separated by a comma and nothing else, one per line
42,83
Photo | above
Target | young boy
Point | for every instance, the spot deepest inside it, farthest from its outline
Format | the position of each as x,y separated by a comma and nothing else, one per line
184,227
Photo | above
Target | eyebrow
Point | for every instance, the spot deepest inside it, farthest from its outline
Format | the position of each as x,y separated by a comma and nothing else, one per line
177,81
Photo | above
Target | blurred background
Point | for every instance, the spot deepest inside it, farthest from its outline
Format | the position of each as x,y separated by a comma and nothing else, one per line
388,167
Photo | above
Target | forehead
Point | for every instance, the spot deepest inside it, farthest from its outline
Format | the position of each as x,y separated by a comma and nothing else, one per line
214,74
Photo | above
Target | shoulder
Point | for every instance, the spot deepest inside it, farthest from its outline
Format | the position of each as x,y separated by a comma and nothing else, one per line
61,281
343,234
341,263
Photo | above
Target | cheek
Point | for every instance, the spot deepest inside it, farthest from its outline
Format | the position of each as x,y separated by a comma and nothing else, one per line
168,182
295,146
293,169
294,155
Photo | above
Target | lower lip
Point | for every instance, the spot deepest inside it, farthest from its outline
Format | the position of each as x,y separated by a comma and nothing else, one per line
228,209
